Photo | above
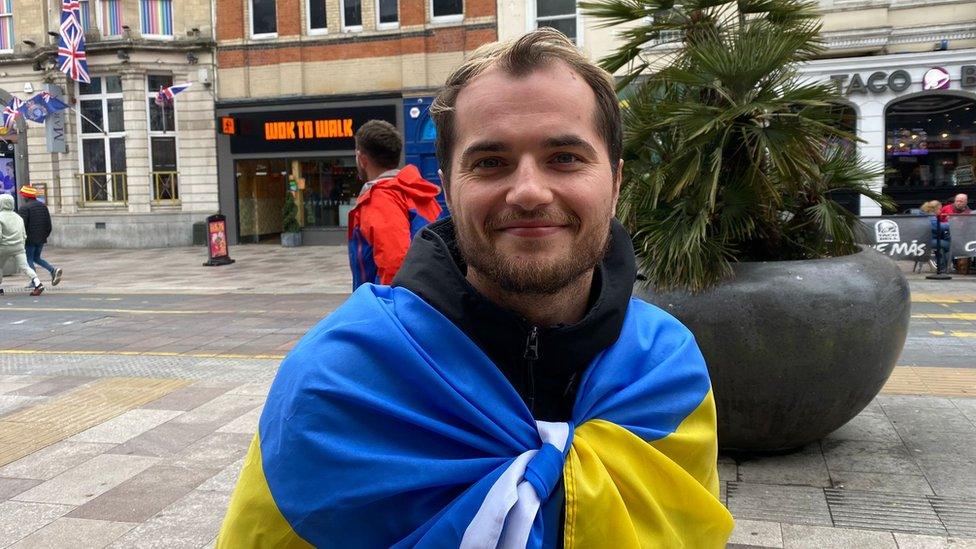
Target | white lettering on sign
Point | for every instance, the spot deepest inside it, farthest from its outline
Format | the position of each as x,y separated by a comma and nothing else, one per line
970,246
904,249
886,231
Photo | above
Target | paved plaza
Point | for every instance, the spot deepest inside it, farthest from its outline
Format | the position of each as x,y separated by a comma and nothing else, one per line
130,392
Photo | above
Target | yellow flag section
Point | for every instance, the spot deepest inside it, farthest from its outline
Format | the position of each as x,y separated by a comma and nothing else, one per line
253,518
622,491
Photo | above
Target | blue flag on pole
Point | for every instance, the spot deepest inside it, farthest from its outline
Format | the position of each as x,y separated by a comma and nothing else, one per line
42,105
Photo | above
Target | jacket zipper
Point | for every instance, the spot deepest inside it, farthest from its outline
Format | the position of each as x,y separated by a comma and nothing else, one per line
531,355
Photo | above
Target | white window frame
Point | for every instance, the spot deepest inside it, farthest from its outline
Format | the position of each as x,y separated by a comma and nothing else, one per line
250,24
342,17
157,36
532,20
171,132
454,18
13,34
386,26
308,20
105,138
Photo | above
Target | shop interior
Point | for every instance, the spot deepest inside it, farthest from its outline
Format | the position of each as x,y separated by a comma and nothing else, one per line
325,189
930,148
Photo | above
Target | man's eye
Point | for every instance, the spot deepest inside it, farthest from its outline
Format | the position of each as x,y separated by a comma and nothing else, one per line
565,158
488,163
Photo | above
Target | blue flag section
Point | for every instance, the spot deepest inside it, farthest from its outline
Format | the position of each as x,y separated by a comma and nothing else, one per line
387,426
39,107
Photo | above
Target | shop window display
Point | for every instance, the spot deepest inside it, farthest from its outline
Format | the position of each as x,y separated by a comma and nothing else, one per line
930,147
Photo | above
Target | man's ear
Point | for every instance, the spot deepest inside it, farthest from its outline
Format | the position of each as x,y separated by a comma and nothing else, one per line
617,179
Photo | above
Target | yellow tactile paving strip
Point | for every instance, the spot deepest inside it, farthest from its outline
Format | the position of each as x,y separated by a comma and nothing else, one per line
931,381
26,431
141,353
945,316
943,298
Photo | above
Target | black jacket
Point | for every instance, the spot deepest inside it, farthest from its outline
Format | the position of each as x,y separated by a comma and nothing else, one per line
543,364
37,221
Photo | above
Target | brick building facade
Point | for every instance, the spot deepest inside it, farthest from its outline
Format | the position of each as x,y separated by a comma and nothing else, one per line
292,62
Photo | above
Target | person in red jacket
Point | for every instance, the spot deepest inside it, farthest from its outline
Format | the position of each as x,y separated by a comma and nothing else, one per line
958,206
392,207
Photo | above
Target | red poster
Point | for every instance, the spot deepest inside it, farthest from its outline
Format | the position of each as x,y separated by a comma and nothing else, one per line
218,239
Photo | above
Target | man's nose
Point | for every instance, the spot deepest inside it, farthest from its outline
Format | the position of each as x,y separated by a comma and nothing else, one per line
530,188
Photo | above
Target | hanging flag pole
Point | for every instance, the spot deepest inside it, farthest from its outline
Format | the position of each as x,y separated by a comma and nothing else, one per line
165,97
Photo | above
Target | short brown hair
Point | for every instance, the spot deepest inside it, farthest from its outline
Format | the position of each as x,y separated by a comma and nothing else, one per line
381,142
521,57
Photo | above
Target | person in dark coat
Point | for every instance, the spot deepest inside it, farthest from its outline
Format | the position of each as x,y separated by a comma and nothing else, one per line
37,221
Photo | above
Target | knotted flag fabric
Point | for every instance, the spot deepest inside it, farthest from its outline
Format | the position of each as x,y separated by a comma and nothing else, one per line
387,426
39,107
72,59
11,112
165,95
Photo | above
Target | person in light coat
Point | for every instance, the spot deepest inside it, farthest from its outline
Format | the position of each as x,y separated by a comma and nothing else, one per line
12,238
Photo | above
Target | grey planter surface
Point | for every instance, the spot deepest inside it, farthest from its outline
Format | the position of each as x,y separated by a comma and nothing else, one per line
290,240
796,349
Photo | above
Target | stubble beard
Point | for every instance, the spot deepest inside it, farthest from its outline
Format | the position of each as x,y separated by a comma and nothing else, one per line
520,275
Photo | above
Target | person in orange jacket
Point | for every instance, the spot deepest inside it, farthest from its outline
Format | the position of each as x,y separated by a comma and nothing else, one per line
392,207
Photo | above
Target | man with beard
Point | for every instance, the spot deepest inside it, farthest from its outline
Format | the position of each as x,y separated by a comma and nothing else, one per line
392,207
506,390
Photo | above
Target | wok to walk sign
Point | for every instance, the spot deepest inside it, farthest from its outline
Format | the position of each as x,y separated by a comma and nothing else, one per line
308,129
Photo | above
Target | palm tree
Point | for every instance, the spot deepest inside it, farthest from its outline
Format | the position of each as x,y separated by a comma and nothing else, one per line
730,155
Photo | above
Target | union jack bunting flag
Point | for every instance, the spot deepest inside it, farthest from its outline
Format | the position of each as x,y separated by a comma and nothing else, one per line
71,43
165,95
11,112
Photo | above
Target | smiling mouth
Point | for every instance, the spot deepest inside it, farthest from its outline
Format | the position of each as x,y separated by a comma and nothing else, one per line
532,230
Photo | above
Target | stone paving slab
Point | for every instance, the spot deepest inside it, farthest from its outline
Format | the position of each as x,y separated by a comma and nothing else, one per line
19,519
124,427
807,536
53,460
776,503
87,481
145,494
190,522
757,533
66,532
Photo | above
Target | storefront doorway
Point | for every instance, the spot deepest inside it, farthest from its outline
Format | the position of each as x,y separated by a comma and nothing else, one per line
325,189
930,148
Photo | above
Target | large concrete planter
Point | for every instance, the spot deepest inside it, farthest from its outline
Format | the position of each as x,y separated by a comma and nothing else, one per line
796,348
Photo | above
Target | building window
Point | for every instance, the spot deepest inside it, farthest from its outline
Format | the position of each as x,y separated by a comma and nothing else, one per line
164,175
446,10
157,17
100,116
352,15
85,13
930,148
112,18
387,15
558,14
317,20
6,25
105,15
264,19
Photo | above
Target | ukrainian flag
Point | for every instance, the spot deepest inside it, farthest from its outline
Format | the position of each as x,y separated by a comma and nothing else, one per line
386,426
